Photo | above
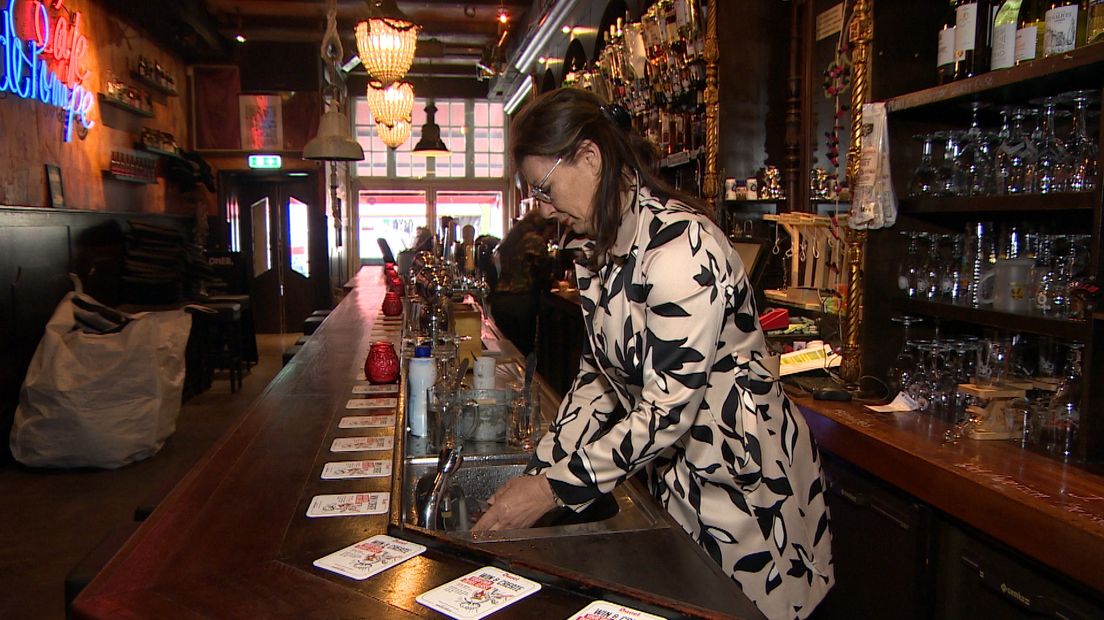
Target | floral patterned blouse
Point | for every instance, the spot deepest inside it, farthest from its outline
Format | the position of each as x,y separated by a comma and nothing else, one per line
674,338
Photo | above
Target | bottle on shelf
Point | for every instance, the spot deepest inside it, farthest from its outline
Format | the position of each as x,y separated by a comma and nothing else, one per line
1094,30
945,57
973,29
1004,35
1065,26
1030,28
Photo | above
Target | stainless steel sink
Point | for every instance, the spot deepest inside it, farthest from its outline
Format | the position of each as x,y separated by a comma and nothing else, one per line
481,475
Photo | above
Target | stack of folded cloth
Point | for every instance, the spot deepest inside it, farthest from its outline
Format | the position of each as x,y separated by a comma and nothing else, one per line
154,264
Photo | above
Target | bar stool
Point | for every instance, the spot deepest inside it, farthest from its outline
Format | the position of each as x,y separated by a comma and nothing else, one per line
311,324
224,345
248,331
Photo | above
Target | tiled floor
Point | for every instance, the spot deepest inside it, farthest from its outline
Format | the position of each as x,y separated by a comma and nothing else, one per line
49,520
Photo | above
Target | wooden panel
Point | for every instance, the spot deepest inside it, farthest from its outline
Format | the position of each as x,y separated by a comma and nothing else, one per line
33,133
1043,508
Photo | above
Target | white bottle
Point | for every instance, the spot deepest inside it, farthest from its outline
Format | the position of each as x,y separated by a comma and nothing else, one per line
421,375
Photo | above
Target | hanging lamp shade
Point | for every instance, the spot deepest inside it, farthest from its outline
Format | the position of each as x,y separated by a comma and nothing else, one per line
333,142
390,104
395,135
431,144
386,41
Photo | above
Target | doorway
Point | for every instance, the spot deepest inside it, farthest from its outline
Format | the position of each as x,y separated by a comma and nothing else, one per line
281,230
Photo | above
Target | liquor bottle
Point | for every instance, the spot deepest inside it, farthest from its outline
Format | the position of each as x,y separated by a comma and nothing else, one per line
1029,31
1004,35
945,57
1065,26
1095,28
973,27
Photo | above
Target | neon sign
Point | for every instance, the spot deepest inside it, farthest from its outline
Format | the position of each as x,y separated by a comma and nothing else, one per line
48,65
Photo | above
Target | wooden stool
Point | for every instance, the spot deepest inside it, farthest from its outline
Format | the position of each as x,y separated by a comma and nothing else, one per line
224,349
311,324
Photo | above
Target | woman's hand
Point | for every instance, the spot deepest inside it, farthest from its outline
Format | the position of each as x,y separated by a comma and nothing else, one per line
517,504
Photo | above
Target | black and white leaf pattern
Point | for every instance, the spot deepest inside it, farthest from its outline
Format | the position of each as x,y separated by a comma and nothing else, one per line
671,382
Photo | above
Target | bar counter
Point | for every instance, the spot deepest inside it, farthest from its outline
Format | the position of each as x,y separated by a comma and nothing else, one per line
1048,510
233,540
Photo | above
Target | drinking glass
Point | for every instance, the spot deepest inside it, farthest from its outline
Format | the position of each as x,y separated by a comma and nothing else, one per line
1016,156
1065,406
975,159
949,179
902,371
1083,164
911,273
523,418
979,258
953,284
992,361
1053,159
925,179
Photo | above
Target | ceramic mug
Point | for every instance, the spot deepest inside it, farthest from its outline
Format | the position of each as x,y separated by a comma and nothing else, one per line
1011,282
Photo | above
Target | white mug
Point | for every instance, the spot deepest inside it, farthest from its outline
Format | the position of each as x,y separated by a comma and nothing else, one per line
1011,285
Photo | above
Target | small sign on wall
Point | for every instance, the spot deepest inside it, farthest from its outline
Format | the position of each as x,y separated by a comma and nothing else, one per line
262,122
829,22
53,183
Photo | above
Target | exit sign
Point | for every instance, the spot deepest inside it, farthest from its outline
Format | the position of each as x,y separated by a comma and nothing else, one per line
266,162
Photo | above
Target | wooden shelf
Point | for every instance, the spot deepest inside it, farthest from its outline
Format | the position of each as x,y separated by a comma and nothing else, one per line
1052,75
1031,203
758,201
129,179
1030,323
122,105
161,152
153,84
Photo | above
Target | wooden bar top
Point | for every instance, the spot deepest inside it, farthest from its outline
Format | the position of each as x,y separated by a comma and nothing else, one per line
1048,510
233,539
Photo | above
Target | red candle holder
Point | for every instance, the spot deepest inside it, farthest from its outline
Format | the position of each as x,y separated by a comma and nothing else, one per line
392,304
382,363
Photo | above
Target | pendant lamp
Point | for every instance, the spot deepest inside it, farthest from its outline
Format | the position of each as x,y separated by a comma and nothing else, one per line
395,135
431,144
390,104
386,41
334,140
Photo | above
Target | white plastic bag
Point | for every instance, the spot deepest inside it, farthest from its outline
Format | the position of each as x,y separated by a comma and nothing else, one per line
874,203
101,399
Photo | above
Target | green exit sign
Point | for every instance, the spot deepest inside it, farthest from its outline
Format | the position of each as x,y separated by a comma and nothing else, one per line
266,162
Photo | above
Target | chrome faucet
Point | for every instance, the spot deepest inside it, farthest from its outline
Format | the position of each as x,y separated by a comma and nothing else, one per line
447,464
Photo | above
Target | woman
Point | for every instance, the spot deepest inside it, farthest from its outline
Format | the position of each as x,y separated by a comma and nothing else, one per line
674,338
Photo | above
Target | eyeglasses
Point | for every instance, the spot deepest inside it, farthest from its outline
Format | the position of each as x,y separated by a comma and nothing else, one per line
539,191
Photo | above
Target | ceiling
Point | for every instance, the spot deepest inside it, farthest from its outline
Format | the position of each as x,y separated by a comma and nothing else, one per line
455,36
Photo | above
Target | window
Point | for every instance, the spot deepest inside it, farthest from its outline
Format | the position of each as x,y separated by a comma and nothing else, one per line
483,210
390,215
474,132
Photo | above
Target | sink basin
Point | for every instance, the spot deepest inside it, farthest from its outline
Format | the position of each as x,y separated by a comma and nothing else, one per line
481,475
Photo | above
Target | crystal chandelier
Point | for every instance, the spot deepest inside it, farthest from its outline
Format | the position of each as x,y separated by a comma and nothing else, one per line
386,41
390,104
394,136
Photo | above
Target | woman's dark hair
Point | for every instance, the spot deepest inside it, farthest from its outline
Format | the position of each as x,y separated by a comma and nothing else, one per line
555,125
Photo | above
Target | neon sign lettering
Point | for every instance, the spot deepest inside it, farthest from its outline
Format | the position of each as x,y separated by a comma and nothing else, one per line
26,72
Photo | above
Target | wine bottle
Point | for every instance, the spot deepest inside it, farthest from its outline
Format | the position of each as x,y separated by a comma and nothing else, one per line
1095,27
1029,31
1004,35
1065,26
973,26
945,57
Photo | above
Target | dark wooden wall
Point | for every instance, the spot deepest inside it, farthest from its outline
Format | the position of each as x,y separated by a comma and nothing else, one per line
753,69
38,249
